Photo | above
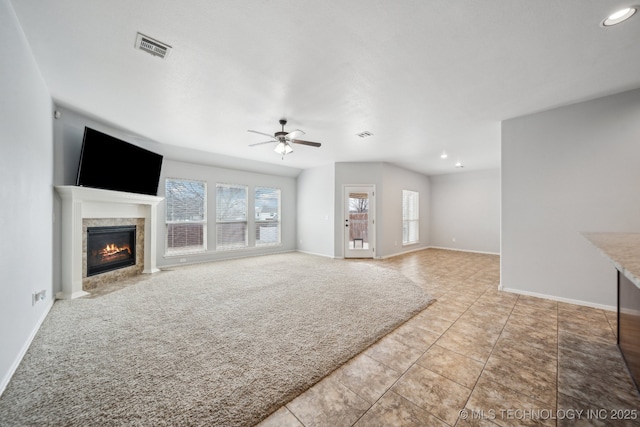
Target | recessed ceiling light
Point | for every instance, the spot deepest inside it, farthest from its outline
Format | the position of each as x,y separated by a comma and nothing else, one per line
444,155
619,16
459,164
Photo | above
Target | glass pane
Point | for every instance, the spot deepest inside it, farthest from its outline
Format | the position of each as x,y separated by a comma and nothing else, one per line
267,216
410,232
184,237
267,204
231,216
267,233
410,217
231,202
410,205
185,200
358,221
231,235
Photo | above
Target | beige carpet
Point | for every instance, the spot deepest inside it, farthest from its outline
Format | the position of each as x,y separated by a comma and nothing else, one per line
223,343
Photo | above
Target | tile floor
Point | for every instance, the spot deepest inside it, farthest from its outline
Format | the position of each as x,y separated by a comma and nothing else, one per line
477,357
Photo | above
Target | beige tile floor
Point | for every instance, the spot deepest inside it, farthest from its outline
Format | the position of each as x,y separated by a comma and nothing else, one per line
477,357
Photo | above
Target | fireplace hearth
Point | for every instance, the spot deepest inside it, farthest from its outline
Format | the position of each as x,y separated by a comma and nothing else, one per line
110,248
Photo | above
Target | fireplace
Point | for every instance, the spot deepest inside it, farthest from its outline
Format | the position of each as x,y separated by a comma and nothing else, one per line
110,248
85,207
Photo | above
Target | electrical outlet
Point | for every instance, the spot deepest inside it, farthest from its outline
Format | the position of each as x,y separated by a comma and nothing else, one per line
453,240
183,260
38,296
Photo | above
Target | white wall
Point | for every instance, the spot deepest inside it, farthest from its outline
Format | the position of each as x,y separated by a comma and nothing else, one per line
466,207
315,212
564,171
26,173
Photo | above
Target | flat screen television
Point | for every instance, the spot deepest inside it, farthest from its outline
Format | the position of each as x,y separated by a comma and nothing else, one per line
112,164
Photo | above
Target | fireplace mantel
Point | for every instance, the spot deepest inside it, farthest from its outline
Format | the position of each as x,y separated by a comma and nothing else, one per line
79,203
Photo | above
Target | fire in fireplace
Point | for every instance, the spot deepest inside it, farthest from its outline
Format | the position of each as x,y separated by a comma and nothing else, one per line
110,248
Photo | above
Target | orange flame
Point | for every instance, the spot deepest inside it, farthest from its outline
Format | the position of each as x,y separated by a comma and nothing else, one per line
113,249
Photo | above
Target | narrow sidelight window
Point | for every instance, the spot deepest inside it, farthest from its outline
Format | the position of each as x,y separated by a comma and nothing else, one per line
410,217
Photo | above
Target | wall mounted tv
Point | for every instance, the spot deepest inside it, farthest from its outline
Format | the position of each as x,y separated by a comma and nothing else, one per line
112,164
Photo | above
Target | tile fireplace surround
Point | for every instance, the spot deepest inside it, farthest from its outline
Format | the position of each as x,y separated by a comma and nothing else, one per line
79,203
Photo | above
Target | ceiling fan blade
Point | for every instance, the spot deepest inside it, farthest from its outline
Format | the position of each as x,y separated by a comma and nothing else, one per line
261,133
312,144
265,142
294,134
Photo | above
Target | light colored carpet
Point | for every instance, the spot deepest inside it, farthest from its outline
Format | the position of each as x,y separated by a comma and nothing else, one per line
223,343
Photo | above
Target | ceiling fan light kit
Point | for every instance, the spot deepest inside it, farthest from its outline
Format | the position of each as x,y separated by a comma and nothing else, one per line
283,148
284,140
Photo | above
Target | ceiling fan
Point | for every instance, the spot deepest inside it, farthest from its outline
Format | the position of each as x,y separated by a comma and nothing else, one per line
284,139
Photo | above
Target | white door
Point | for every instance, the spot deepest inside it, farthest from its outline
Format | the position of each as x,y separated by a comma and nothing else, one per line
359,221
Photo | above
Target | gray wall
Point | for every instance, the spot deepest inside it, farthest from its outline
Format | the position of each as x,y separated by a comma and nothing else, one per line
396,179
315,213
212,175
355,174
389,180
26,162
565,171
68,132
466,207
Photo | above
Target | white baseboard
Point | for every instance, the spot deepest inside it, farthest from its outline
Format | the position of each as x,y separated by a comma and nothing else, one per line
25,347
559,299
464,250
402,253
240,254
416,250
317,254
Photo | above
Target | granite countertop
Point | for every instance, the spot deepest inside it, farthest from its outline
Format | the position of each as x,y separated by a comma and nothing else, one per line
623,249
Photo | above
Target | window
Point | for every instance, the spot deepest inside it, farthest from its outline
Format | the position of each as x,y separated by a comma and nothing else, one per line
231,216
410,217
267,206
186,217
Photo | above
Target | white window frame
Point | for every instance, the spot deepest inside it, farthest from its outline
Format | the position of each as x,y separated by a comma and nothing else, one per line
169,251
410,217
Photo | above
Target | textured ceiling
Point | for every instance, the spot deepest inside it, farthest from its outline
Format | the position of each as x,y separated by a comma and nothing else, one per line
421,76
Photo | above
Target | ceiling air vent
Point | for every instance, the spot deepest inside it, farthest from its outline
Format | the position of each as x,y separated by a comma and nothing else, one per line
364,134
152,46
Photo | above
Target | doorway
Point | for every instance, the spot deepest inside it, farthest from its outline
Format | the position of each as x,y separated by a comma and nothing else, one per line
359,221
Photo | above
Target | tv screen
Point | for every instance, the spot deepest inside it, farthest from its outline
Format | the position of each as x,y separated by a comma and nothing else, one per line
112,164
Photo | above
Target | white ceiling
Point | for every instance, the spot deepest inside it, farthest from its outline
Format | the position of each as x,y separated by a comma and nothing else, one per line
422,76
